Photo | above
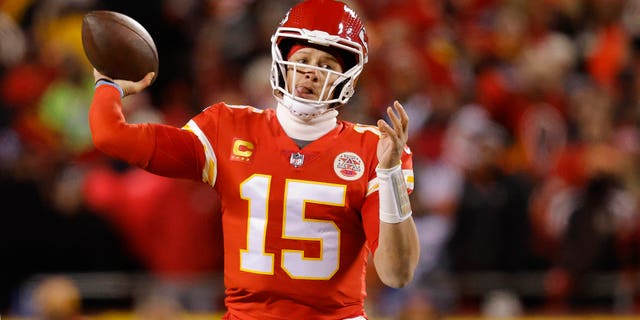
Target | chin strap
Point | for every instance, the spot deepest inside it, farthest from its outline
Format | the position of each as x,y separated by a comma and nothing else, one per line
302,110
394,198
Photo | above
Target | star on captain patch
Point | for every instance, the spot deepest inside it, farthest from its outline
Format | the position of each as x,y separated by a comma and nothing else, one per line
348,166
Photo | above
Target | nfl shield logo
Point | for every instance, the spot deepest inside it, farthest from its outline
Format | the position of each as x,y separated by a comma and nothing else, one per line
296,160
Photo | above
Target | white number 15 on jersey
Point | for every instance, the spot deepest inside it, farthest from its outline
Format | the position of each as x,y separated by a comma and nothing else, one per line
297,193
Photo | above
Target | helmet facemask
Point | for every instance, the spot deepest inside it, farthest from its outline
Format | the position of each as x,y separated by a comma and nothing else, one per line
333,93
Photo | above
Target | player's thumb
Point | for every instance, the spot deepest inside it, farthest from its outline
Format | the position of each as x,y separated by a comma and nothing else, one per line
130,87
149,78
144,83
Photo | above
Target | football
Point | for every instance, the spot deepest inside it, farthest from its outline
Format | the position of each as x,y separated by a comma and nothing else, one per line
118,46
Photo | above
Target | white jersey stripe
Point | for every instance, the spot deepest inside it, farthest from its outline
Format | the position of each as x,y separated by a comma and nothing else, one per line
210,170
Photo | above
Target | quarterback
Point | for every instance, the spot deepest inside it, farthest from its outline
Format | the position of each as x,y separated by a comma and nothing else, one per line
306,198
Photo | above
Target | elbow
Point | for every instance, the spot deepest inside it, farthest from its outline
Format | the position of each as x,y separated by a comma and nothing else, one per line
98,141
397,279
101,141
108,143
395,272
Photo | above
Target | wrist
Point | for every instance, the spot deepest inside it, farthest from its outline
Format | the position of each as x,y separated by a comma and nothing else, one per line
394,198
386,171
109,82
384,166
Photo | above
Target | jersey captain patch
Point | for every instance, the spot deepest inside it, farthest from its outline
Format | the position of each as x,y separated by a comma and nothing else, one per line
348,166
242,150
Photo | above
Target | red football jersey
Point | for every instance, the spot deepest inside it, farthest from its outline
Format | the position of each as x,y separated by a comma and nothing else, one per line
298,223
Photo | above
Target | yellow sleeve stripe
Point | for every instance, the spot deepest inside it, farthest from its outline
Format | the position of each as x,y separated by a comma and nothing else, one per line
409,179
210,170
373,186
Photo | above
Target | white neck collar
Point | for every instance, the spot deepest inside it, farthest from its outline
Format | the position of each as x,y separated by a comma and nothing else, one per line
308,129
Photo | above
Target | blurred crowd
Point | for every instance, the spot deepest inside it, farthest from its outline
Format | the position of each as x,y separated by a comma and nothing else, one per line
525,119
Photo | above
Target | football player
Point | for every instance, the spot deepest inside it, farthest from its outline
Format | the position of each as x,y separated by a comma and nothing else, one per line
306,197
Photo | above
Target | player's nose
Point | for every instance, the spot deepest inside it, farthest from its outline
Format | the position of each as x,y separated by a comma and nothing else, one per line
311,74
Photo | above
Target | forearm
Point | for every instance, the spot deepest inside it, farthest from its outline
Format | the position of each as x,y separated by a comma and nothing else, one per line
397,254
132,143
161,149
398,246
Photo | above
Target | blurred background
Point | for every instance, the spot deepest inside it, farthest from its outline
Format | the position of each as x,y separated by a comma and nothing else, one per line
525,119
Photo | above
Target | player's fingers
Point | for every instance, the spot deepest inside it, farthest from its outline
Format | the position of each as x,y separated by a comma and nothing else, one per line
385,128
387,131
404,117
135,87
148,78
395,120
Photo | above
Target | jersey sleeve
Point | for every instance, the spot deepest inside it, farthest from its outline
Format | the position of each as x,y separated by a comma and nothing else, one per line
213,126
371,206
157,148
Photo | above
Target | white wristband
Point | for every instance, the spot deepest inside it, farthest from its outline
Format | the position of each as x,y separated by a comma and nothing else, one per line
394,198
